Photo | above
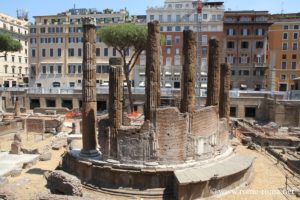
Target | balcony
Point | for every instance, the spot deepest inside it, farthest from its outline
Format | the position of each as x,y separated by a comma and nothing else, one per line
260,65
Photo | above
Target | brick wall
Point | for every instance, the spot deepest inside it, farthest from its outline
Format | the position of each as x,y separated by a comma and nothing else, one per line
172,134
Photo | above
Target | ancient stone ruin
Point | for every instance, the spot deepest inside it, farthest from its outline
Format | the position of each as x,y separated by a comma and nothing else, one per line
179,154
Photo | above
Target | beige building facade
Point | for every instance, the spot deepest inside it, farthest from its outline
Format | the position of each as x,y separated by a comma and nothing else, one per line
14,67
56,48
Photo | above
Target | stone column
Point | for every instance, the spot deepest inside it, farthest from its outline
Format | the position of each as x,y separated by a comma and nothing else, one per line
89,101
115,103
188,79
17,108
224,103
213,82
115,92
152,71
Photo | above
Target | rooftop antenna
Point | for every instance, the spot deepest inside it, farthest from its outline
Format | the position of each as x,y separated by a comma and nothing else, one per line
74,6
282,10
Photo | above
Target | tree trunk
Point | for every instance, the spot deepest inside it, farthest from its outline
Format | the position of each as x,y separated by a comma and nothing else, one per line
129,91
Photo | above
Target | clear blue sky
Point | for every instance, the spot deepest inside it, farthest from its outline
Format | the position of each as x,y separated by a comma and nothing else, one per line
49,7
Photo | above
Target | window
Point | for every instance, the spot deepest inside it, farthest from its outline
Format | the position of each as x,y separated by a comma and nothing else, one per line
283,77
51,69
186,28
20,59
72,84
160,18
51,52
98,69
204,16
244,45
71,69
169,18
260,31
231,32
13,69
56,84
177,28
259,44
283,65
44,69
177,39
79,69
296,27
44,52
161,29
79,52
232,72
59,69
169,40
71,51
285,27
244,59
293,76
59,52
151,17
283,56
114,52
229,59
285,36
20,70
204,51
105,51
259,59
230,45
178,18
295,46
294,65
295,36
284,46
97,51
168,50
294,56
105,69
245,31
168,61
204,39
169,28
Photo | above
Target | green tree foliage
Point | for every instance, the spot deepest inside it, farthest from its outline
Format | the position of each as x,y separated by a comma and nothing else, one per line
8,44
123,37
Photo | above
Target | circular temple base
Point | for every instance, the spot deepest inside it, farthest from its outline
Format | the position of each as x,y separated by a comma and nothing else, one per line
90,154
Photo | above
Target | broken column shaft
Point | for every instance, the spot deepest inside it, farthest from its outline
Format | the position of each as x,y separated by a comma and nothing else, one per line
152,71
188,79
17,108
115,92
89,101
213,82
224,103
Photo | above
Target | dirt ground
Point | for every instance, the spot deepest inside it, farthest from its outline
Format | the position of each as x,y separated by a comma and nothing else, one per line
267,182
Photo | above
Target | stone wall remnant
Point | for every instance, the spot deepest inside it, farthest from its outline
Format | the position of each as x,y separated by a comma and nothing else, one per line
89,100
16,145
152,71
224,102
188,80
213,82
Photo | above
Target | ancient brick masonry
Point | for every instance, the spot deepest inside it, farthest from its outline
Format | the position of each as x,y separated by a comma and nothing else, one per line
224,103
188,72
89,88
213,82
152,71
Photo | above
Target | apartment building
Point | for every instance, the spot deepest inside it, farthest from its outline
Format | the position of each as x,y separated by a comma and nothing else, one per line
245,47
56,48
283,52
14,67
174,17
